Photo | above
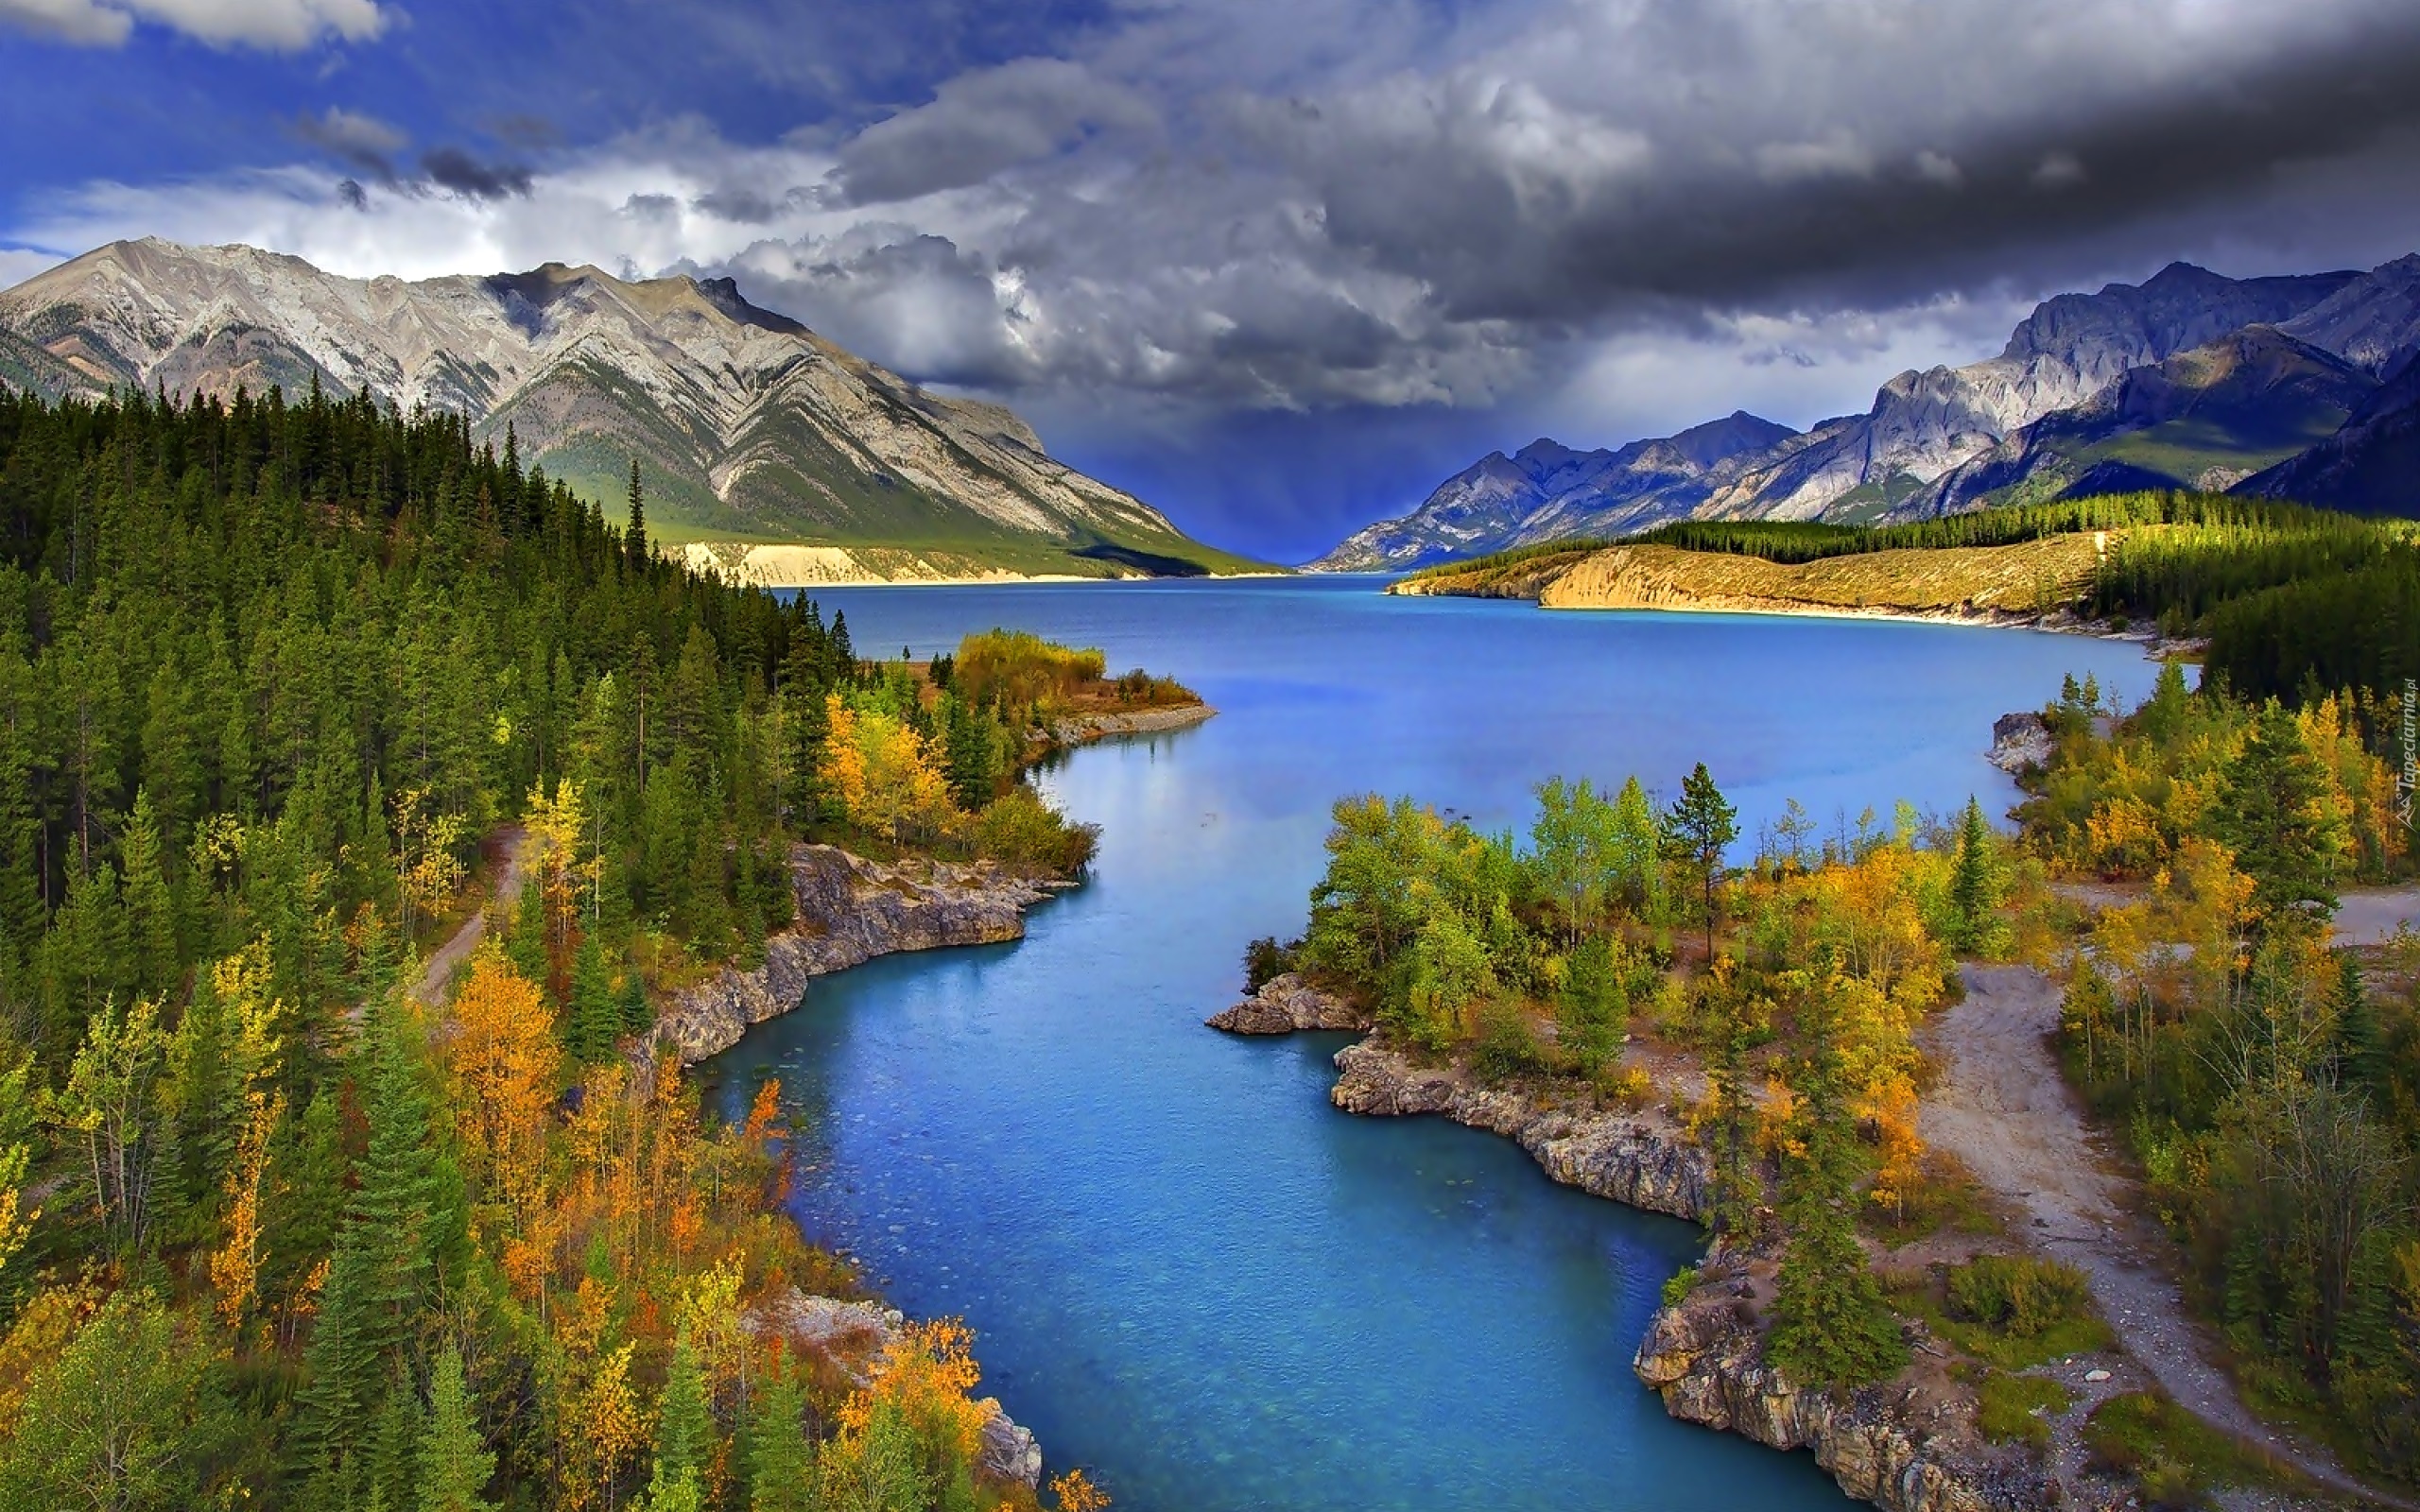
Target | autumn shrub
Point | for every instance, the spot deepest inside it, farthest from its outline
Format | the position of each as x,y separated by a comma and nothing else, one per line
1018,668
1020,829
2019,1294
1506,1046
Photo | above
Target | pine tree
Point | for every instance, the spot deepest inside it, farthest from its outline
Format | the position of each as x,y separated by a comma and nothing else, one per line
1831,1326
1698,825
684,1435
2276,811
781,1461
595,1020
454,1465
1971,891
635,535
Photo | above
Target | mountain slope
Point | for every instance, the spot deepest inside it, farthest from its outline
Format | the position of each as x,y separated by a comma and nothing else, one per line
2205,418
2155,384
1546,491
1921,424
2370,466
748,426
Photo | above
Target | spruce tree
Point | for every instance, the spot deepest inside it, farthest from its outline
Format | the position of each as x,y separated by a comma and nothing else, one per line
455,1464
595,1020
1697,826
781,1461
635,535
684,1435
2276,812
1831,1326
1971,896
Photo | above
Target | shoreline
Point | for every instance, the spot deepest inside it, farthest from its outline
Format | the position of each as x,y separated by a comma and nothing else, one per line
1906,1445
2058,622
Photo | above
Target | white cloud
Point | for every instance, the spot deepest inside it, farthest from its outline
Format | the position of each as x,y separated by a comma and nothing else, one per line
72,21
1838,155
279,25
18,264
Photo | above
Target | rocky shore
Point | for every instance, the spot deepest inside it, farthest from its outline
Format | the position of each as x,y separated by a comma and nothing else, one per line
1080,730
848,911
1907,1445
1285,1005
853,1335
1641,1158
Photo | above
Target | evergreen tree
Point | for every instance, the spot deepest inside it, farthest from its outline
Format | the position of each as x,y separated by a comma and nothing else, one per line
1831,1326
2276,811
595,1020
1971,883
781,1461
1697,826
684,1435
635,535
454,1464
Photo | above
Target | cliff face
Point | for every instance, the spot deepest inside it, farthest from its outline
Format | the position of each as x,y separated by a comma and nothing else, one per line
1643,1158
849,911
1904,1445
1285,1005
854,1337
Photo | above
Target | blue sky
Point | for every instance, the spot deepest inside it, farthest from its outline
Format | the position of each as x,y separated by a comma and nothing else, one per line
1278,266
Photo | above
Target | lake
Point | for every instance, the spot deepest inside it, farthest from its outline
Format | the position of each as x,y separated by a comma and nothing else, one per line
1190,1275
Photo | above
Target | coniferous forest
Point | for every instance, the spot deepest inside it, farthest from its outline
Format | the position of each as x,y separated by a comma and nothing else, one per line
275,1227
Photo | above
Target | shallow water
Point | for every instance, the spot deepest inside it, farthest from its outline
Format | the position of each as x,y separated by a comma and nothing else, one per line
1189,1274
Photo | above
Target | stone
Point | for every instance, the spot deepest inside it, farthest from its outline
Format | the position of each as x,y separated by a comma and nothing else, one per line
1641,1159
847,911
1285,1005
2021,742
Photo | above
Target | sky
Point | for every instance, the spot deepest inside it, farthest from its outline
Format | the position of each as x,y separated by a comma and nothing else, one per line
1278,267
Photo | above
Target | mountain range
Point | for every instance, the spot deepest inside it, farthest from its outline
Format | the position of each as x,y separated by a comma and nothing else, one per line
2303,387
763,447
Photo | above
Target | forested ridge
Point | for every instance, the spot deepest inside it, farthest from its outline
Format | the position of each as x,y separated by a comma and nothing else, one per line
270,1229
2296,602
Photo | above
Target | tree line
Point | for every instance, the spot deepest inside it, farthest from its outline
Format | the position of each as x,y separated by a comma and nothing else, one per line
273,1230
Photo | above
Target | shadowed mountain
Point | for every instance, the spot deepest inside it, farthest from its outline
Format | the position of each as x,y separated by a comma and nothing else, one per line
749,428
2189,379
2206,418
1546,491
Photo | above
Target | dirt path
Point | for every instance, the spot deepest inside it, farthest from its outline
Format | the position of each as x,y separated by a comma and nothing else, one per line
2366,916
437,979
2003,1108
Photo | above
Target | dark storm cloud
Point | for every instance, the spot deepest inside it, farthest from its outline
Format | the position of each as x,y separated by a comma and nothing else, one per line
1510,205
981,123
359,141
352,195
739,205
455,170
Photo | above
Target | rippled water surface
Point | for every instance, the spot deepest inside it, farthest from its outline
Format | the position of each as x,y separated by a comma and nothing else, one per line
1190,1274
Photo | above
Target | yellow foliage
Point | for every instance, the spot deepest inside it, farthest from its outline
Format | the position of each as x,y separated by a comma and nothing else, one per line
235,1266
502,1048
889,779
1072,1492
926,1371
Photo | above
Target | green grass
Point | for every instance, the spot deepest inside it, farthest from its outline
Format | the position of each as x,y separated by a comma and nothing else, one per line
2012,1409
2045,1333
2176,1458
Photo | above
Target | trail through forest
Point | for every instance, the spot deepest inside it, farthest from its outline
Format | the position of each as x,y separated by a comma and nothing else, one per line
437,979
2004,1109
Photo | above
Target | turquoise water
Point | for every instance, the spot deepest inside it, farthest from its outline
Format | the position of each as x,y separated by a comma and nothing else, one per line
1188,1273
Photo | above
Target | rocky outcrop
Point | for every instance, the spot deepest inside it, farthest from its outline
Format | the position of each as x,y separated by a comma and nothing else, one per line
1907,1445
1288,1004
1079,729
2020,741
854,1335
1643,1158
848,911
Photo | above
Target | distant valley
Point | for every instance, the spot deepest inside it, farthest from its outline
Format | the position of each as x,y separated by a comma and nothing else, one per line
763,449
2304,387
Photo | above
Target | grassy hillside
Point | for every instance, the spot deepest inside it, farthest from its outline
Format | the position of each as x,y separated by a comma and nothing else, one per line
2290,599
